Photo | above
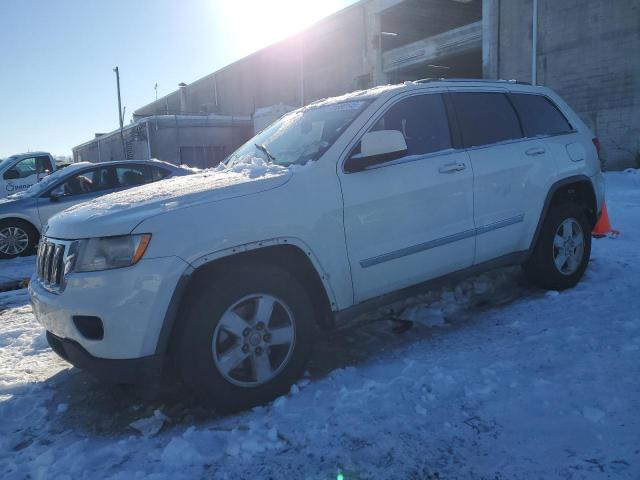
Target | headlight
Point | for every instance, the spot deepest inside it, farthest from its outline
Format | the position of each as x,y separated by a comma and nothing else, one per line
110,252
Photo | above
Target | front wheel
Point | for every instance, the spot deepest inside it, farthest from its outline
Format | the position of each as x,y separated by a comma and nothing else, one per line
246,337
17,238
563,249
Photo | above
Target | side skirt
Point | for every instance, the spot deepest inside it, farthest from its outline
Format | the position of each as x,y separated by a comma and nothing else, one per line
348,314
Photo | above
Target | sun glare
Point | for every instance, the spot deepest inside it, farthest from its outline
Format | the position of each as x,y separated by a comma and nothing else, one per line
254,24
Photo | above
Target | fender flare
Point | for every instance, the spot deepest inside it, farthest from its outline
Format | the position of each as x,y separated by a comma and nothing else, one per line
547,204
180,291
294,241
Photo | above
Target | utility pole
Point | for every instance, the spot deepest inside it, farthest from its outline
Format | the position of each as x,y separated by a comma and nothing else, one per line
534,44
120,113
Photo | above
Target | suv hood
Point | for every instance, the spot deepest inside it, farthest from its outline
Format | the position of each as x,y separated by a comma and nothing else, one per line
119,213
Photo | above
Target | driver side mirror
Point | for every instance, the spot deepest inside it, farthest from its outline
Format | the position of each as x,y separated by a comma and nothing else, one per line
377,147
11,174
56,193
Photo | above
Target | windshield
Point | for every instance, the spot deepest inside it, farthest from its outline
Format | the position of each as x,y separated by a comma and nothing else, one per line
302,135
5,162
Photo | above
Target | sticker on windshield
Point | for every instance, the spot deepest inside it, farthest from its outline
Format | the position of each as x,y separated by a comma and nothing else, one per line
343,106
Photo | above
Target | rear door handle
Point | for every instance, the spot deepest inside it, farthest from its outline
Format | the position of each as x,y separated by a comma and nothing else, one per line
452,167
532,152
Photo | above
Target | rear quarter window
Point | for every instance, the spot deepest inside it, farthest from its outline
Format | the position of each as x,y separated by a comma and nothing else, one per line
485,118
158,173
539,116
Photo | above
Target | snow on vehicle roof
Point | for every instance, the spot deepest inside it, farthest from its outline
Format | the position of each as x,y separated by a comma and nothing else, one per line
356,96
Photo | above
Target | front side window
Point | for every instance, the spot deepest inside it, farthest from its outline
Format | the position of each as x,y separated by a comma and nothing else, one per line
539,116
158,173
485,118
302,135
422,119
89,181
23,169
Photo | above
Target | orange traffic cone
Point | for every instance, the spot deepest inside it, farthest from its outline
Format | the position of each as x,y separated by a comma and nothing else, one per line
603,227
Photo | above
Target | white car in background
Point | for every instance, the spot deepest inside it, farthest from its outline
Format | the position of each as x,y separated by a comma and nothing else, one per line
19,172
339,207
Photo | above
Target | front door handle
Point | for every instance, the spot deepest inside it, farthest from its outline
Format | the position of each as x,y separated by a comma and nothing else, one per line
532,152
452,167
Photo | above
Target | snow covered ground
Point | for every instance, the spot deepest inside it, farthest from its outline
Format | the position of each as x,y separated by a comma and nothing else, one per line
15,270
497,380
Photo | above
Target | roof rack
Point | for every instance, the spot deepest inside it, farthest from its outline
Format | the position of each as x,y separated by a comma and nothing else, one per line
487,80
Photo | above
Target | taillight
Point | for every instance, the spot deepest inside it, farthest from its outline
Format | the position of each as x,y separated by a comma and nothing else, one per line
596,142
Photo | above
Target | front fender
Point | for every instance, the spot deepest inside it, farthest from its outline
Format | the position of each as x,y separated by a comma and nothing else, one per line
296,242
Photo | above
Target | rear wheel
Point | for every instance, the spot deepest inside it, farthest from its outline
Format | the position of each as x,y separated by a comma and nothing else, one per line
246,337
17,238
563,249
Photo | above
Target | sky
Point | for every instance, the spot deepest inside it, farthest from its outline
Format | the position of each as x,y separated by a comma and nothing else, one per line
57,85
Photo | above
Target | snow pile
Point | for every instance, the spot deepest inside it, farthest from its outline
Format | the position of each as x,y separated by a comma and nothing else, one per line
356,96
16,270
150,426
252,167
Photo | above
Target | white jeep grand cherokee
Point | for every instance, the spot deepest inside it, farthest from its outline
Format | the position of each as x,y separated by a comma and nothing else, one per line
220,278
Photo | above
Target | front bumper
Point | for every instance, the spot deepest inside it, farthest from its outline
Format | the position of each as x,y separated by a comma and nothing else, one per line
131,302
138,371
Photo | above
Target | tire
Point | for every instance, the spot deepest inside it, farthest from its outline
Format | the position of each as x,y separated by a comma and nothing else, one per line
24,235
557,264
231,302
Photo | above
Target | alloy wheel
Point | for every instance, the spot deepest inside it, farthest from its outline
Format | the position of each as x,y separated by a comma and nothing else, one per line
253,340
568,246
13,240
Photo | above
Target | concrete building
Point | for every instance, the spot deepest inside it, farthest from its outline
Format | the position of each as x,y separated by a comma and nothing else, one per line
194,140
587,50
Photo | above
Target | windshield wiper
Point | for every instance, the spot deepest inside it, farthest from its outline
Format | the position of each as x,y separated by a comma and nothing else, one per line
264,150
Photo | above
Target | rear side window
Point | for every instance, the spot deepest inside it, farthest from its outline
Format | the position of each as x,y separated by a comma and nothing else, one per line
539,116
485,118
422,119
132,175
158,173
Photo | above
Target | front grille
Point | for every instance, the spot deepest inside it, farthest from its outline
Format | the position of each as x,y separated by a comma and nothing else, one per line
50,264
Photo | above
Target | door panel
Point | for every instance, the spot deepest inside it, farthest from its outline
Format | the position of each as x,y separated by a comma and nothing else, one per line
19,177
411,219
48,208
408,223
510,185
511,172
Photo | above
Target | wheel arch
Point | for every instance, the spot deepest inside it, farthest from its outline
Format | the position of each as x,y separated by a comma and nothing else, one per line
22,219
291,253
577,188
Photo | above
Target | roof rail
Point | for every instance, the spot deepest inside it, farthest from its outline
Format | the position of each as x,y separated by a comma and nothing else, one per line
487,80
